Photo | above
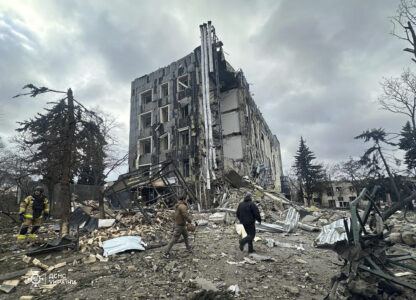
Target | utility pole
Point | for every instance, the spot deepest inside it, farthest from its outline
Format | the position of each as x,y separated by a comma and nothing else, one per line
66,166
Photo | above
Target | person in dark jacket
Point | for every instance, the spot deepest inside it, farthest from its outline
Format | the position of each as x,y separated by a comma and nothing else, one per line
247,214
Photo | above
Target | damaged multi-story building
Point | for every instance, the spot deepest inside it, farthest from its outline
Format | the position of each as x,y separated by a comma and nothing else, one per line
199,113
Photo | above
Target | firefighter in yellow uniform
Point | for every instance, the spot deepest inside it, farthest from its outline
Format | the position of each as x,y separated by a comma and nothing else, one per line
32,210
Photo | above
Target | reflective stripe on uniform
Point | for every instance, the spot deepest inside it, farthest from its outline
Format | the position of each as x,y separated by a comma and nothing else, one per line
28,216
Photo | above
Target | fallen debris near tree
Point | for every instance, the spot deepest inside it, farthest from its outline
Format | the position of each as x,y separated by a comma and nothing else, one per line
58,244
367,269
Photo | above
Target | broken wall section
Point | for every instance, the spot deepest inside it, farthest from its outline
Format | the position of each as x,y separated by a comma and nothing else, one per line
250,148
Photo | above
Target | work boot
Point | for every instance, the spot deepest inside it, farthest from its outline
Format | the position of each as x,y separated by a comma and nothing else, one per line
21,237
251,251
241,245
32,236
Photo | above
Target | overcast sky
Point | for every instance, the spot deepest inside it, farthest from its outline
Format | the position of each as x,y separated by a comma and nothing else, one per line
314,67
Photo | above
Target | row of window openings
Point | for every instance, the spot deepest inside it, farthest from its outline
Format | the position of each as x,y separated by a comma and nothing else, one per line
146,118
340,203
332,202
145,170
147,96
145,145
330,191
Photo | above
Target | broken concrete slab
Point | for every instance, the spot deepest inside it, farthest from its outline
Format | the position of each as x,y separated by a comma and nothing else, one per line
217,218
235,179
104,223
8,285
395,237
278,199
271,243
409,238
309,218
205,284
307,227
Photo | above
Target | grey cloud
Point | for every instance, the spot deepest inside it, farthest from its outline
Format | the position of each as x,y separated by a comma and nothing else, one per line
315,65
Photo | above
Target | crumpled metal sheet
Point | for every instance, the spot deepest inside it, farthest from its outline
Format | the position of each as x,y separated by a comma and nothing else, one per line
291,223
267,227
122,244
57,244
292,219
84,221
332,233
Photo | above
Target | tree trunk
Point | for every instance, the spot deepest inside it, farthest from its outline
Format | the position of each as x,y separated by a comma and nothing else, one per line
101,202
300,196
50,186
392,182
398,205
66,166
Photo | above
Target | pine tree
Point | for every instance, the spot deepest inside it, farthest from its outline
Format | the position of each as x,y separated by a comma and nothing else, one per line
45,135
371,156
92,142
408,144
310,175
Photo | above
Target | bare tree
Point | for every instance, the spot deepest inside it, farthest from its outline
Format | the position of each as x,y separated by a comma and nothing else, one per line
404,23
111,166
399,95
14,175
352,171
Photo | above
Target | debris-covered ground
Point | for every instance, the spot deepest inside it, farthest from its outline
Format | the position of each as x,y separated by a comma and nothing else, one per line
289,268
216,261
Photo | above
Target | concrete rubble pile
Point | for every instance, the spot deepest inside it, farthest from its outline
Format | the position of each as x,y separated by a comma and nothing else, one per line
402,231
149,228
373,264
126,232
